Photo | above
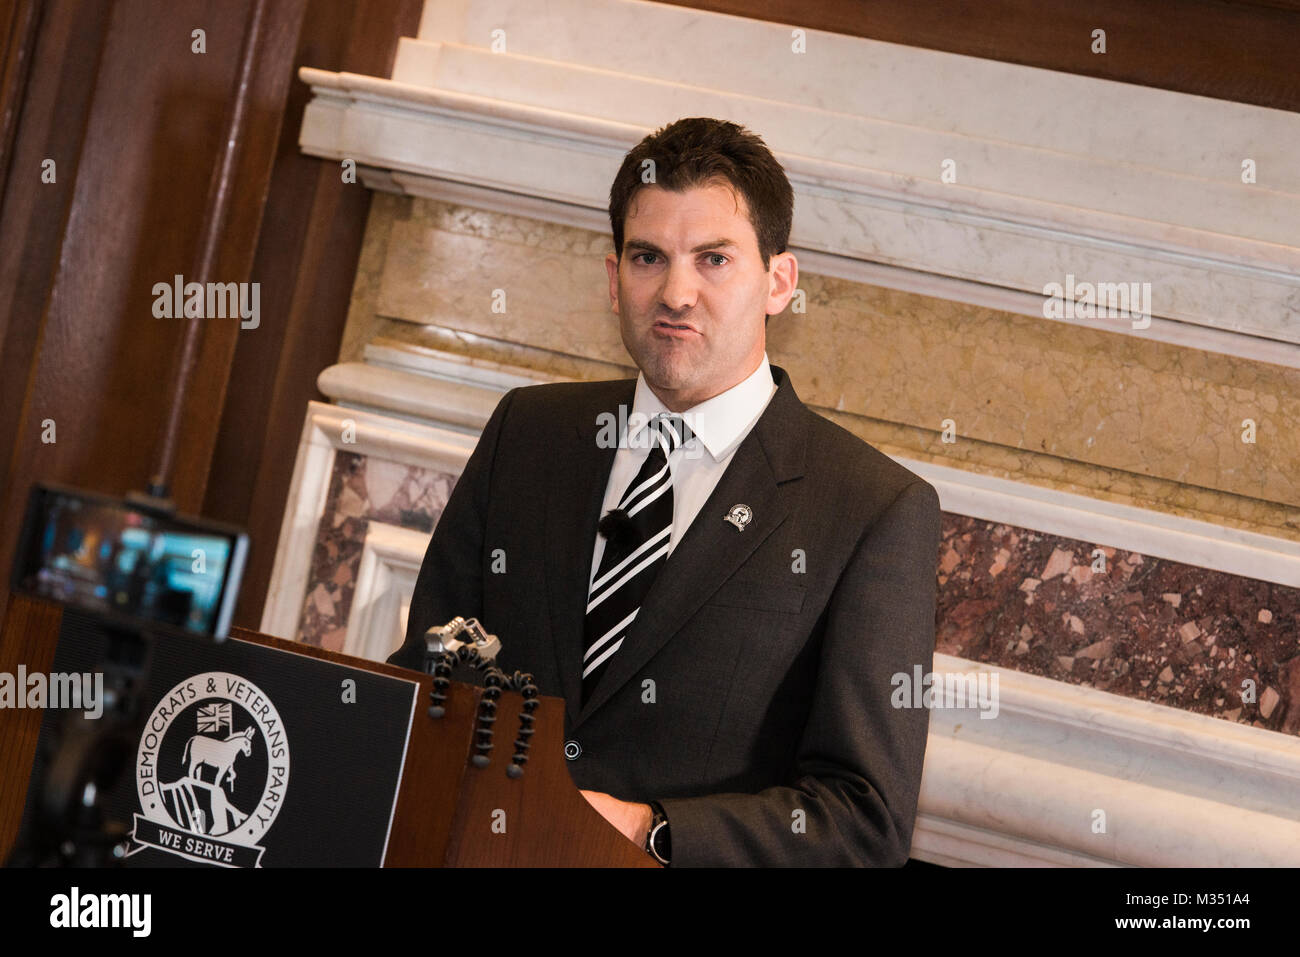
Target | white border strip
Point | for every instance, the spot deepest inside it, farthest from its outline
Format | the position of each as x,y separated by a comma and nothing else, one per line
390,556
1145,531
401,771
426,446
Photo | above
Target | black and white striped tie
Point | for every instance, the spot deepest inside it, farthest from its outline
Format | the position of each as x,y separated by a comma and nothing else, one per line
632,559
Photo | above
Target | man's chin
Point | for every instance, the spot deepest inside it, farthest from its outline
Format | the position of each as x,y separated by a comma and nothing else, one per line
671,376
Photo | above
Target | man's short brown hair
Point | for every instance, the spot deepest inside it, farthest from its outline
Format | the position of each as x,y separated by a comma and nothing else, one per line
694,151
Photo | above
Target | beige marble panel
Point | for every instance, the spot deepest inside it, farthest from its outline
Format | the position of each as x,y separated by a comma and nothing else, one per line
512,287
362,315
1104,414
1105,399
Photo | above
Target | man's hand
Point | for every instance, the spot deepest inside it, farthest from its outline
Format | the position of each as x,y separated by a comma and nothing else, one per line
632,820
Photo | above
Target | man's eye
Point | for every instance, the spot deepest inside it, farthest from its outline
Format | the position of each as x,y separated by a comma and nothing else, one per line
642,256
724,259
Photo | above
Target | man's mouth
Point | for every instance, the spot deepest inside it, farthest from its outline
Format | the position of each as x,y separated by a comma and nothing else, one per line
674,326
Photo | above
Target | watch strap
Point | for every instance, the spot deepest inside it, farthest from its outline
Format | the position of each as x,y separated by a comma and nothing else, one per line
658,841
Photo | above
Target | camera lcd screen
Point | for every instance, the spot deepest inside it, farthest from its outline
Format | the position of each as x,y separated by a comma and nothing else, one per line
109,556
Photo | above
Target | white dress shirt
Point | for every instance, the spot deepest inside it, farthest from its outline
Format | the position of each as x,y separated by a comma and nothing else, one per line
720,424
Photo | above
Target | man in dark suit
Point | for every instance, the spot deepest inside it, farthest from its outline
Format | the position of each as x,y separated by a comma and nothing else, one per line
729,639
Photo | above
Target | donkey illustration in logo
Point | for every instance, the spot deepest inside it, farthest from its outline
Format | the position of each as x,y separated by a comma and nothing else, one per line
218,755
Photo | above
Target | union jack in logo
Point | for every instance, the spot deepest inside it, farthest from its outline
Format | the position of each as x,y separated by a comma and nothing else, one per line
213,717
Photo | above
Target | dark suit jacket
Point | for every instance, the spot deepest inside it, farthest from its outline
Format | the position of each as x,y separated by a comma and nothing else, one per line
752,696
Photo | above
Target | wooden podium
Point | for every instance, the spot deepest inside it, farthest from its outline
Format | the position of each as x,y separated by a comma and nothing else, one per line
444,804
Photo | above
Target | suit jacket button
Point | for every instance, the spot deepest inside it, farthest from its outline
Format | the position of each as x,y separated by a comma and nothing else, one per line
572,749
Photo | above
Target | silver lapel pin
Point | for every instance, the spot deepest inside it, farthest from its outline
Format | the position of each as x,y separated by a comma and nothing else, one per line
740,516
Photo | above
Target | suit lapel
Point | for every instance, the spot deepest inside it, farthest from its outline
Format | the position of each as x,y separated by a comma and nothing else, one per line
712,549
576,493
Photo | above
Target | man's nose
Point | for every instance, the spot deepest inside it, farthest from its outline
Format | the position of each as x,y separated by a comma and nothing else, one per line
680,287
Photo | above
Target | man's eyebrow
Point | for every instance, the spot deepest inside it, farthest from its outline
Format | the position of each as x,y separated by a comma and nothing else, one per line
651,247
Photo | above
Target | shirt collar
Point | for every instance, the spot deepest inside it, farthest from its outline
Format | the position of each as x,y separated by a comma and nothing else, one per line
720,423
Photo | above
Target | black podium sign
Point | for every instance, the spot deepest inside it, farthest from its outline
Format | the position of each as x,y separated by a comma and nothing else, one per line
249,756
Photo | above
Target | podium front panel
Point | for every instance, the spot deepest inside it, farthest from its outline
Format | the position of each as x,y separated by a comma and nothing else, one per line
249,755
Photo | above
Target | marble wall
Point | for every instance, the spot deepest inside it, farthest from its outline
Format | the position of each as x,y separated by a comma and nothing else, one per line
1143,627
1107,415
362,489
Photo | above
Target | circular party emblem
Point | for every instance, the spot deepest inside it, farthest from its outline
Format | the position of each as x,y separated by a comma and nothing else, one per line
211,771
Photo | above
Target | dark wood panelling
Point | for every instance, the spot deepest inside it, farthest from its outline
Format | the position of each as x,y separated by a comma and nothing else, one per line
49,115
19,20
28,637
1246,52
306,261
135,119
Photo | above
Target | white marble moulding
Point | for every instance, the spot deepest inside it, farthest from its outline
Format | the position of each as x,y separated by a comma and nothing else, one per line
972,179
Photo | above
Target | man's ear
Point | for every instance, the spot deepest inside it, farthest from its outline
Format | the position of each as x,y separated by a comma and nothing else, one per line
784,278
611,268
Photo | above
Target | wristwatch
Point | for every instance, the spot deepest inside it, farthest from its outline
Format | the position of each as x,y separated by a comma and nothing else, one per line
658,842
